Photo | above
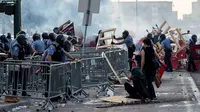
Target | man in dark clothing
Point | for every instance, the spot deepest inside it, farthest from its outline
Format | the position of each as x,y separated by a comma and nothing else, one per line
4,43
4,47
9,39
150,36
191,63
166,45
156,36
128,40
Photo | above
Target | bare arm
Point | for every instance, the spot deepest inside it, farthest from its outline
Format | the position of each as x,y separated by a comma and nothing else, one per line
156,54
69,55
119,38
120,43
49,57
143,59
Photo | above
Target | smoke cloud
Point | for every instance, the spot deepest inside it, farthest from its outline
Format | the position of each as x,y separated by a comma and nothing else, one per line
44,15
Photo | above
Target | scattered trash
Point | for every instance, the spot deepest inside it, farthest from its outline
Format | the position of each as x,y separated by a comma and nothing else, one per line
50,107
87,77
193,99
36,104
110,93
19,108
60,105
63,105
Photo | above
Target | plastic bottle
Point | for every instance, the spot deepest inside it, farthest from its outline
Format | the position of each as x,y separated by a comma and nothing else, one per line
63,105
110,93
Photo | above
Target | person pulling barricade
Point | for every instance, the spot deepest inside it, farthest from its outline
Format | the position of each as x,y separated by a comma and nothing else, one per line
67,56
18,53
55,52
128,40
38,45
166,45
191,64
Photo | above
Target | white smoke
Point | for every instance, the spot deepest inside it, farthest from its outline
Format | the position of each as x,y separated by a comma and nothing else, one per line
44,15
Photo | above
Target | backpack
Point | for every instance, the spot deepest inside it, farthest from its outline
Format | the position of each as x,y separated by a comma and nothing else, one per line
21,55
57,56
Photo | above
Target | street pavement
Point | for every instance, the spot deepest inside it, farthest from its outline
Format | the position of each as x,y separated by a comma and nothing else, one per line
178,93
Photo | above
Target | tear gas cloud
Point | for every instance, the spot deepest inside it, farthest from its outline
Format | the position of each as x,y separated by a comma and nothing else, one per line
44,15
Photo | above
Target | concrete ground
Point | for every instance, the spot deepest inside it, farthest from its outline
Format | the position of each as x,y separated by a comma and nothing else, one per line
178,93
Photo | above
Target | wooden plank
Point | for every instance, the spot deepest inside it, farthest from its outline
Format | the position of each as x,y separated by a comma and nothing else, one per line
180,34
119,99
108,30
162,25
168,28
106,38
175,40
173,29
64,24
104,46
112,68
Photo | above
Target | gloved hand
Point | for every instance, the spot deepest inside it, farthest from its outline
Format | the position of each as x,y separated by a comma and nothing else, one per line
114,36
112,43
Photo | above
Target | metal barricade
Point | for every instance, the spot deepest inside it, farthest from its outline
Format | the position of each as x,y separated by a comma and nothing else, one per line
118,59
33,79
73,79
90,53
94,72
34,58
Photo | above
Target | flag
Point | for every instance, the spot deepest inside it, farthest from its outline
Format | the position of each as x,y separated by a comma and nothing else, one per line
68,28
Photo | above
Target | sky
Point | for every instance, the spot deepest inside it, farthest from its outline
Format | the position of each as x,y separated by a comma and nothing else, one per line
182,6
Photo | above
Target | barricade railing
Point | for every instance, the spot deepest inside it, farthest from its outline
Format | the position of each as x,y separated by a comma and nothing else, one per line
95,74
33,79
34,58
94,71
45,80
118,59
90,53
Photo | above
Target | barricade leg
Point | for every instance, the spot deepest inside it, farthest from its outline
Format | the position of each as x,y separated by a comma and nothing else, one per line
24,81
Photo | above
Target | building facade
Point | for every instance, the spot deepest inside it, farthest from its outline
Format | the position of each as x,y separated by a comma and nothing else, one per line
149,12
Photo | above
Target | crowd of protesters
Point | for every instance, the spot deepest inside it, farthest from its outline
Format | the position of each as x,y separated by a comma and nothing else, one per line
147,60
56,46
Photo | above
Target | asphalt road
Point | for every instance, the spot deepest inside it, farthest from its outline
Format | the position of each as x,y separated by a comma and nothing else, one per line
178,93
